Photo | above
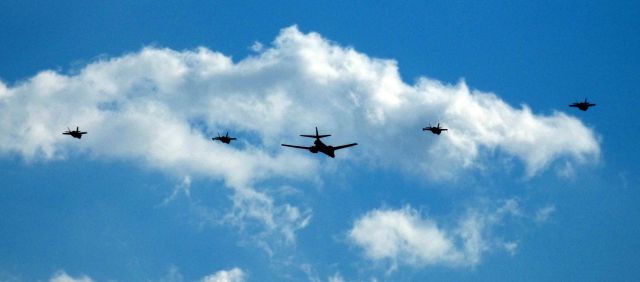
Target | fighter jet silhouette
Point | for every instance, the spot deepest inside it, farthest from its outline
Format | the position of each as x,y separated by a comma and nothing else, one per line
435,130
318,146
75,133
582,105
224,139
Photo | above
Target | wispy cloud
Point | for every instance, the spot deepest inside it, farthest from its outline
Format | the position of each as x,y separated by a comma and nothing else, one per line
62,276
544,213
336,278
231,275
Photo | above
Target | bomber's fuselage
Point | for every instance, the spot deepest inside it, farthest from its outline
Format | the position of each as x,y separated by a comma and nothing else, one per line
318,146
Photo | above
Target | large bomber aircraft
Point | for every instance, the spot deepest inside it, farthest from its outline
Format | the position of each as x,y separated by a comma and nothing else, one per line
318,146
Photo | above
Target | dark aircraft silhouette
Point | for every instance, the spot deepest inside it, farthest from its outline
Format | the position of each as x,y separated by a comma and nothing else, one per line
224,139
582,105
434,130
318,146
75,133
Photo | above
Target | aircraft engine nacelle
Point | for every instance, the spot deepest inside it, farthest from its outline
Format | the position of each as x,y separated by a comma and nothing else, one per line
313,150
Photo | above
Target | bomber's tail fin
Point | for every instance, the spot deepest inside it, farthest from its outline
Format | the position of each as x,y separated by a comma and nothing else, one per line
317,136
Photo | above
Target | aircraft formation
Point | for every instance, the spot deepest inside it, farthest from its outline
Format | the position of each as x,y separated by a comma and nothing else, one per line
318,145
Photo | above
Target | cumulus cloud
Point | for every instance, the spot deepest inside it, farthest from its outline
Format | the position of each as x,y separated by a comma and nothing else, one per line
62,276
158,107
405,237
232,275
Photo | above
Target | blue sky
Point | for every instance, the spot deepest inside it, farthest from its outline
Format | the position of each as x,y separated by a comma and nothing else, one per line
520,188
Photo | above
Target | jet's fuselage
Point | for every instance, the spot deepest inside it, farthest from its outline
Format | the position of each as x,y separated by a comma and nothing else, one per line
75,134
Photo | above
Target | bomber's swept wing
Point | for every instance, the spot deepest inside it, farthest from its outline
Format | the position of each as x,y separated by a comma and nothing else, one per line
344,146
294,146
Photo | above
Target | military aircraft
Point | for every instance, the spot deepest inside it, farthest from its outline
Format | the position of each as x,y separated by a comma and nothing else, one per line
582,105
75,133
224,139
434,130
318,146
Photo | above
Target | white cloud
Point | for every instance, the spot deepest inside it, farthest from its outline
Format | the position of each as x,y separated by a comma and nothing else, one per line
158,107
62,276
404,236
232,275
336,278
184,187
173,275
511,247
257,46
250,204
543,214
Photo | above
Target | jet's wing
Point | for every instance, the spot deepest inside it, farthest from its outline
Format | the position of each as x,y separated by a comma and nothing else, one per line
344,146
294,146
66,133
232,138
82,132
